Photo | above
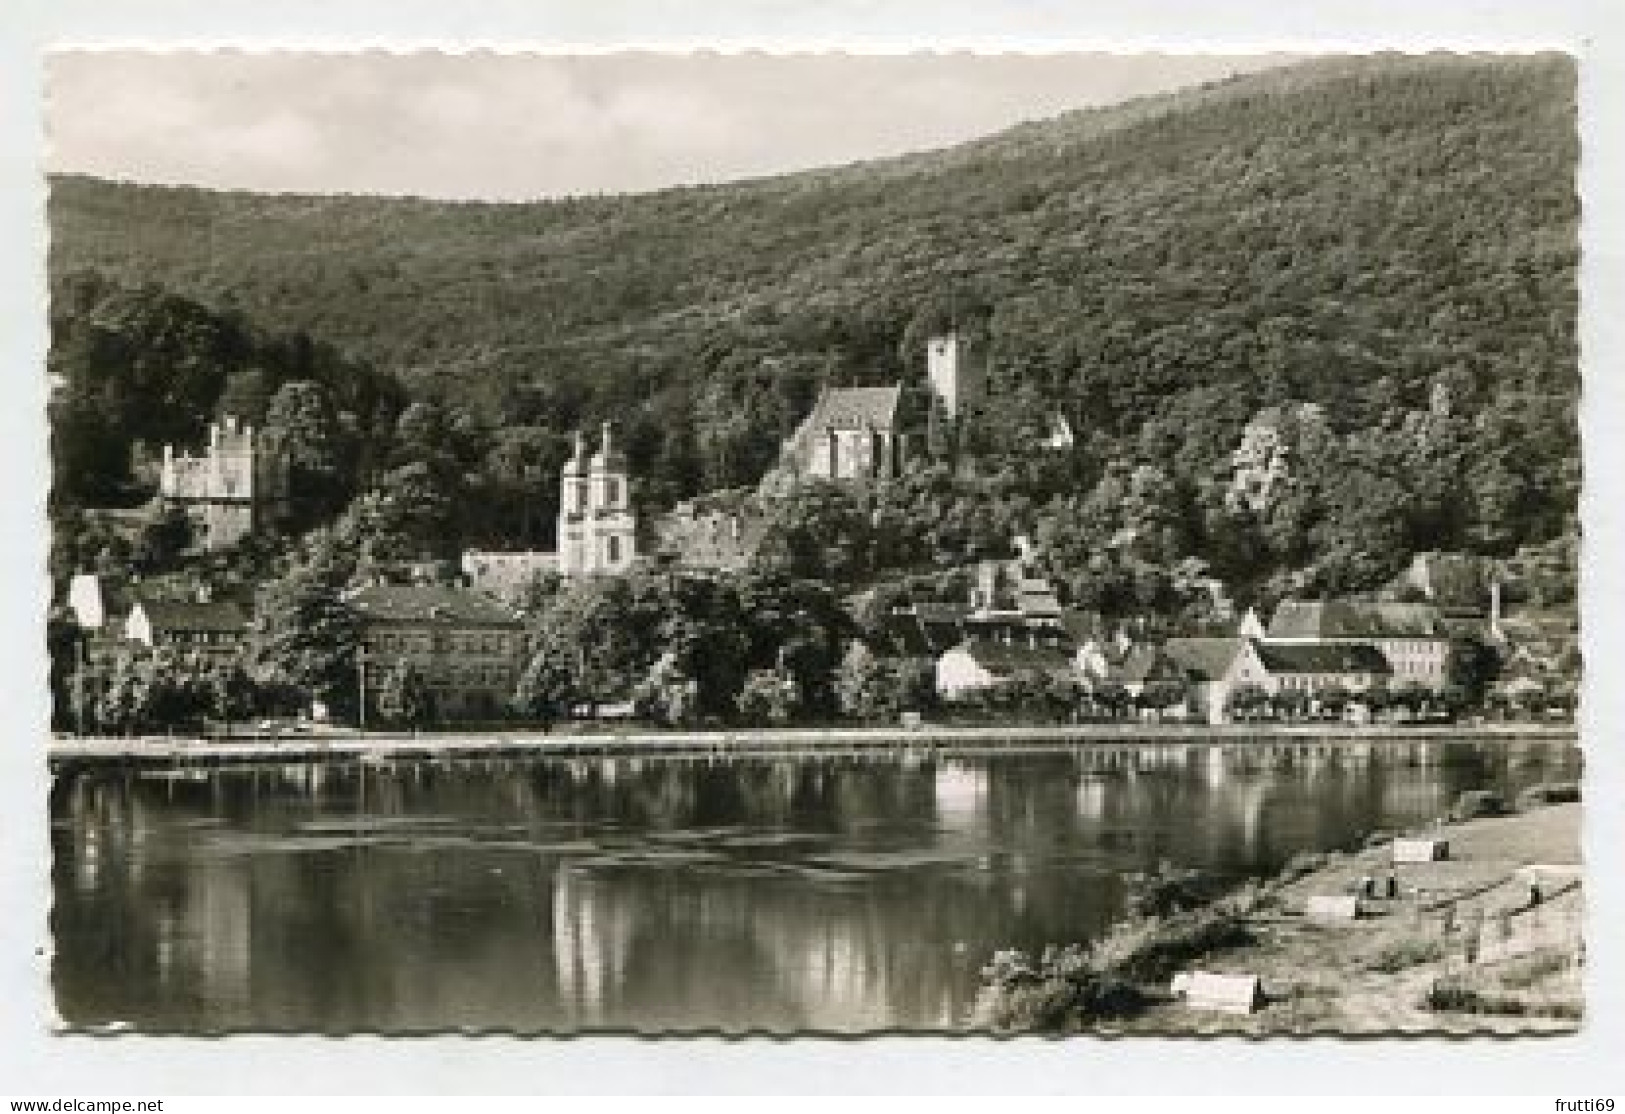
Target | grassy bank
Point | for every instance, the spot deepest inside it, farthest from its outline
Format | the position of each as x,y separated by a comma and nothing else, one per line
1464,946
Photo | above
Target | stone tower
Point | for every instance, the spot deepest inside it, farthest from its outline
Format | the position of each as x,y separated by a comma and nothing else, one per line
597,530
954,376
240,484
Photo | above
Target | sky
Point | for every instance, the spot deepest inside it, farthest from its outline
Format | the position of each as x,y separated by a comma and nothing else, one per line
521,126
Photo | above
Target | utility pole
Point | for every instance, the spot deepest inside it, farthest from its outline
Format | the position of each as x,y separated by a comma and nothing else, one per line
79,683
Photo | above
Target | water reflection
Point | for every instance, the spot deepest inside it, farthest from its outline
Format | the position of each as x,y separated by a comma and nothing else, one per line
825,893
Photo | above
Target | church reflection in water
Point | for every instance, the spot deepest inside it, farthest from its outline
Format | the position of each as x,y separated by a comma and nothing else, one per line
831,894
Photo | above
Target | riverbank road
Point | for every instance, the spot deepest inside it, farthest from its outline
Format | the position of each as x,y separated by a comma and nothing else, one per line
1301,740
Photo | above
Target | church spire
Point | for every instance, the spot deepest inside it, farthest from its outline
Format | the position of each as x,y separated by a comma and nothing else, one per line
608,458
577,463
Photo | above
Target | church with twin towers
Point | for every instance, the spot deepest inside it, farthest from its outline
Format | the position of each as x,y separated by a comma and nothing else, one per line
597,531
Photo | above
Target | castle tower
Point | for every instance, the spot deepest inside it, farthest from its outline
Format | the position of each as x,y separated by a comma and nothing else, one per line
597,530
953,375
240,484
231,458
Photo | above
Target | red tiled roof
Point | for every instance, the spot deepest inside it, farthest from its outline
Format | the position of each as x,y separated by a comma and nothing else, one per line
1322,657
191,615
855,408
1141,664
1206,659
1353,619
1003,659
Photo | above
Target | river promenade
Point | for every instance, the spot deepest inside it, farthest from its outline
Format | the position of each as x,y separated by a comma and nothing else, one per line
164,750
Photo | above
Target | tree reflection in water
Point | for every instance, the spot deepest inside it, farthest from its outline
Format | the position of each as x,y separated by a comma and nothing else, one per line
790,894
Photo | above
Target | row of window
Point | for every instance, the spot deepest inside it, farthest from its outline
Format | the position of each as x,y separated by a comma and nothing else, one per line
488,643
201,638
612,495
1309,682
1427,648
470,677
1305,683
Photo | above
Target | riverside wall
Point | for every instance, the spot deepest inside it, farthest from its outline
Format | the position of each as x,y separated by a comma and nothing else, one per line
386,746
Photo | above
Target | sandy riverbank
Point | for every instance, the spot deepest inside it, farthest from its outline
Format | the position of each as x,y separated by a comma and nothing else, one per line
1463,949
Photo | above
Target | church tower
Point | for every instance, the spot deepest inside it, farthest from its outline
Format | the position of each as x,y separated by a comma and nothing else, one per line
597,530
614,532
573,517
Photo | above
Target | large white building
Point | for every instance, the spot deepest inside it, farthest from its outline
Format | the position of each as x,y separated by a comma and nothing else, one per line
1409,636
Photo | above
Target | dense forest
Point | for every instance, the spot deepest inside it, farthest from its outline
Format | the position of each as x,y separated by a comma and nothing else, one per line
1304,323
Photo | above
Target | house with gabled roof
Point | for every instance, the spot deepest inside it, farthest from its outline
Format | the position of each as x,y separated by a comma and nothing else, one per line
215,629
978,664
1143,666
1215,668
1206,670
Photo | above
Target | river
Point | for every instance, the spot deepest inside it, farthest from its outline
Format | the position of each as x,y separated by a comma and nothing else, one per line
822,893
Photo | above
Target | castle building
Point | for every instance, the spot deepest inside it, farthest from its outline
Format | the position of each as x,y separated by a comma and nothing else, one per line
720,531
237,486
506,576
597,529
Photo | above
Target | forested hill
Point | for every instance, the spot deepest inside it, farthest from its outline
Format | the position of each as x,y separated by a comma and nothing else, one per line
1341,232
1394,174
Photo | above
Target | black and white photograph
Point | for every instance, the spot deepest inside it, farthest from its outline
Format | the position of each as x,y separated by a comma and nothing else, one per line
806,544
